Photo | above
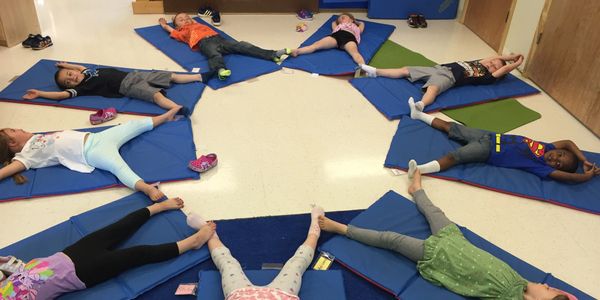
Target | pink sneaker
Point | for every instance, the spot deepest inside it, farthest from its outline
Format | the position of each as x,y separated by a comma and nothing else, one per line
204,163
103,115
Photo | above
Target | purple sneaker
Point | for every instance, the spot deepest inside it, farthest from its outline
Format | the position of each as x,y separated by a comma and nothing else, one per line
304,15
103,115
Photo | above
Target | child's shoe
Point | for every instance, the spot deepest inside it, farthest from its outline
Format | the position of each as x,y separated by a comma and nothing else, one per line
204,163
422,21
280,53
43,43
205,12
10,265
304,15
223,73
413,21
103,115
32,37
216,18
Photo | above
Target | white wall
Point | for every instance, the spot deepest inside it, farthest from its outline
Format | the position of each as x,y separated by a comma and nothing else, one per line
522,27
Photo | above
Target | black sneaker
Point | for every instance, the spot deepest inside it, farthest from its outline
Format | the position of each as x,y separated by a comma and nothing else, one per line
32,37
422,21
205,12
413,21
216,18
43,43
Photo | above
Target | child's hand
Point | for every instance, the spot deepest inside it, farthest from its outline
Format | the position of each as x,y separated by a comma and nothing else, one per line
162,21
591,169
61,64
31,94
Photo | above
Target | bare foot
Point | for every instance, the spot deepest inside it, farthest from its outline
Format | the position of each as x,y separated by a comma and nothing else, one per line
415,185
295,52
171,203
205,232
154,194
172,112
330,225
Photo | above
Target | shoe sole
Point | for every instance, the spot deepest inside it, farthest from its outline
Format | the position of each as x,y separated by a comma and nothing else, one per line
216,23
101,121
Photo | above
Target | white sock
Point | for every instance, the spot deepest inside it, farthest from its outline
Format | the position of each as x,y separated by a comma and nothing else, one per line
195,221
420,105
315,212
412,167
430,167
371,71
415,114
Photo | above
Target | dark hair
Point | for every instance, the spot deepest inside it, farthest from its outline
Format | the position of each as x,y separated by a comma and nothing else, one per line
560,297
6,156
175,16
347,14
574,162
60,84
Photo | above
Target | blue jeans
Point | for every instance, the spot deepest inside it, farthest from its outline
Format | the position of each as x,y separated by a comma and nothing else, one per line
216,46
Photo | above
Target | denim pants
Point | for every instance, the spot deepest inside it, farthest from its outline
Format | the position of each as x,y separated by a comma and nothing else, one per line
216,46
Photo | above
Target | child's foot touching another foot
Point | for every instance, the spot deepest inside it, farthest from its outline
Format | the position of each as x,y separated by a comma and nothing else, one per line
315,213
417,114
371,71
201,237
329,225
415,185
412,167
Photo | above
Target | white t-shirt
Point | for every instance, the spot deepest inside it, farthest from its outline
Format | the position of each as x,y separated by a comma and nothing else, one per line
61,147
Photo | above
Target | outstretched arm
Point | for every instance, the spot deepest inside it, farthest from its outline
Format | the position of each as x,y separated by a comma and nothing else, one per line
588,173
164,25
66,65
509,67
32,94
11,169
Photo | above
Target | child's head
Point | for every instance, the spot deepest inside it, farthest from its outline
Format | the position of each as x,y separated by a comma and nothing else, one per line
9,140
562,159
545,292
68,78
345,18
181,19
495,64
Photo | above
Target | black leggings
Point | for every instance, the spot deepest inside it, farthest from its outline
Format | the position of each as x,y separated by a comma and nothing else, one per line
96,260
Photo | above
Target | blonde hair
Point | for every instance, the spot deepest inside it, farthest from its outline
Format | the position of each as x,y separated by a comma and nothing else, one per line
6,156
351,16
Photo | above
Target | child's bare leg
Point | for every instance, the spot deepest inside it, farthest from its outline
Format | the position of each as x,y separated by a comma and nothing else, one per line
198,239
429,96
441,125
169,204
167,116
352,49
324,43
185,78
164,102
151,191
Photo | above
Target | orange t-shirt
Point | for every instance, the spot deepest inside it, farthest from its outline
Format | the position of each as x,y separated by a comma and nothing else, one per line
192,34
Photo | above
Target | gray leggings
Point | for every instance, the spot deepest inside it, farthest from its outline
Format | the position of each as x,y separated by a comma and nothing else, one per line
408,246
288,280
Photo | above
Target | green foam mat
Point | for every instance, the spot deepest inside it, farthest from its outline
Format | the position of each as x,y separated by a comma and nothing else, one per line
497,116
392,55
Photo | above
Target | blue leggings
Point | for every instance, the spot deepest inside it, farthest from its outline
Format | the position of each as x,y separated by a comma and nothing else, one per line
101,150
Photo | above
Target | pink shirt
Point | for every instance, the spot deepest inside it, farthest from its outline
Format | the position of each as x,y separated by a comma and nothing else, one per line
260,293
350,27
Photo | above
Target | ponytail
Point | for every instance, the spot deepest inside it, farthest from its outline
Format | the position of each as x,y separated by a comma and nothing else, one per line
6,157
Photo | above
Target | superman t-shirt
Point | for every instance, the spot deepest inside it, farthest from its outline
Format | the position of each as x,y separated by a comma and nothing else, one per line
519,152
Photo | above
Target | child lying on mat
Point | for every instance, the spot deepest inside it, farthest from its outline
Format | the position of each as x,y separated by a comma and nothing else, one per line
447,258
439,78
558,160
94,259
77,80
287,283
345,36
79,151
212,45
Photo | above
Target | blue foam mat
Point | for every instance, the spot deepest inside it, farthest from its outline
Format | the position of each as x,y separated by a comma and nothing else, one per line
390,96
415,140
336,61
397,274
165,227
242,67
161,154
41,76
316,285
431,9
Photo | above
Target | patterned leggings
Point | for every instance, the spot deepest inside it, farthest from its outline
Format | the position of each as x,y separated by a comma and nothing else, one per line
288,280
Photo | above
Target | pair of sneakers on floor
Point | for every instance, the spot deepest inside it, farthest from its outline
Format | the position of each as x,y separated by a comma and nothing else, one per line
209,12
37,42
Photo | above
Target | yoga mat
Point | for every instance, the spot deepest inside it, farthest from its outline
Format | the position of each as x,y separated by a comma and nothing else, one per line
390,95
397,274
498,116
161,154
41,77
165,227
242,67
416,140
336,61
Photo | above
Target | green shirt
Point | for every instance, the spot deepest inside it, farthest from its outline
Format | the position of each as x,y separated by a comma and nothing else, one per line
450,260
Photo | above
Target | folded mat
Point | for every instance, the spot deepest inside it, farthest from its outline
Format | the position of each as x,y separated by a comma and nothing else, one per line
336,61
498,116
161,154
242,67
316,285
397,274
274,239
390,95
165,227
415,140
41,77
